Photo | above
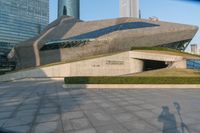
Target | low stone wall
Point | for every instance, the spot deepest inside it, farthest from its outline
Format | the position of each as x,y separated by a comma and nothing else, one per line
114,65
118,64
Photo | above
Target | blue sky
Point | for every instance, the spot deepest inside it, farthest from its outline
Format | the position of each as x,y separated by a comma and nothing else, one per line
166,10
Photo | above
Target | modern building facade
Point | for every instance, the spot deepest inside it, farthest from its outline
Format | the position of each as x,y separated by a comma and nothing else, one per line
68,39
6,65
69,7
129,8
21,20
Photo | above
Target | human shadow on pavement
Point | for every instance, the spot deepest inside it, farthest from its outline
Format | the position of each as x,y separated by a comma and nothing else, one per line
169,120
184,127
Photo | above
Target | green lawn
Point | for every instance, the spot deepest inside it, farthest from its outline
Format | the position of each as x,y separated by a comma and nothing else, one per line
162,76
163,50
132,80
169,72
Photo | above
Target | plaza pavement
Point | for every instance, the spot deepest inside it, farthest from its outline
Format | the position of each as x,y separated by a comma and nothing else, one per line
46,107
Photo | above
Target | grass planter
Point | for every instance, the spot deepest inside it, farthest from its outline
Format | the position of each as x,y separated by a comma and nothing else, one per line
132,80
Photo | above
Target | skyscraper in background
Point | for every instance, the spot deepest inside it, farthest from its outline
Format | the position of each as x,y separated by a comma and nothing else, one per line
129,8
22,19
19,21
194,49
69,7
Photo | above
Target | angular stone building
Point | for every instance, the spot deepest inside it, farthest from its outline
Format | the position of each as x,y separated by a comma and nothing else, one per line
68,39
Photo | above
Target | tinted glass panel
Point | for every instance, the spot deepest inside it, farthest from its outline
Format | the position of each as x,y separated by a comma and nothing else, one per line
81,39
180,45
193,64
110,29
22,19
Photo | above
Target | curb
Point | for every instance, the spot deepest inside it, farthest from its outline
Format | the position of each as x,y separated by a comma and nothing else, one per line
131,86
32,79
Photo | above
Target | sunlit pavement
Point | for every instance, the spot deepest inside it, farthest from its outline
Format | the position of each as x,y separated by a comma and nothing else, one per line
44,106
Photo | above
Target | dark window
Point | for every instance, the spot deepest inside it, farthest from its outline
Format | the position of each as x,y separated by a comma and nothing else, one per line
84,38
64,10
110,29
180,45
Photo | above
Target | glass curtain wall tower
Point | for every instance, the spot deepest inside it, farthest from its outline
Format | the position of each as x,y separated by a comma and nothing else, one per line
69,7
19,21
22,19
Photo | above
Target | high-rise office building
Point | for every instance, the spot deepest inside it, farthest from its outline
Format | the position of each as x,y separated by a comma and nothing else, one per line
69,7
19,21
129,8
22,19
194,48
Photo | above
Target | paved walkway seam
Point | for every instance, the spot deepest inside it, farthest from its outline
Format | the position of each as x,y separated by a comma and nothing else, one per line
131,86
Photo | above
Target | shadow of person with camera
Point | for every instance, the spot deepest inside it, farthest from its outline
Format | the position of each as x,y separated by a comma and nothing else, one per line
169,120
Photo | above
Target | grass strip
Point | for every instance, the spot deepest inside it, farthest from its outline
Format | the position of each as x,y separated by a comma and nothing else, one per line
163,49
132,80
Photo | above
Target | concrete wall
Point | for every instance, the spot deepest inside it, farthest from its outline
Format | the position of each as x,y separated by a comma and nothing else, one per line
179,64
114,65
119,64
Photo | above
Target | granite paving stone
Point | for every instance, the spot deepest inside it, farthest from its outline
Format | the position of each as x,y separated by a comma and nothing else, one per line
136,102
44,106
2,122
70,108
18,121
114,110
90,130
159,125
113,128
72,115
48,127
147,106
19,129
194,127
67,126
99,117
25,113
133,108
139,126
145,114
82,123
124,117
4,115
123,103
88,106
48,110
7,108
47,118
28,107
